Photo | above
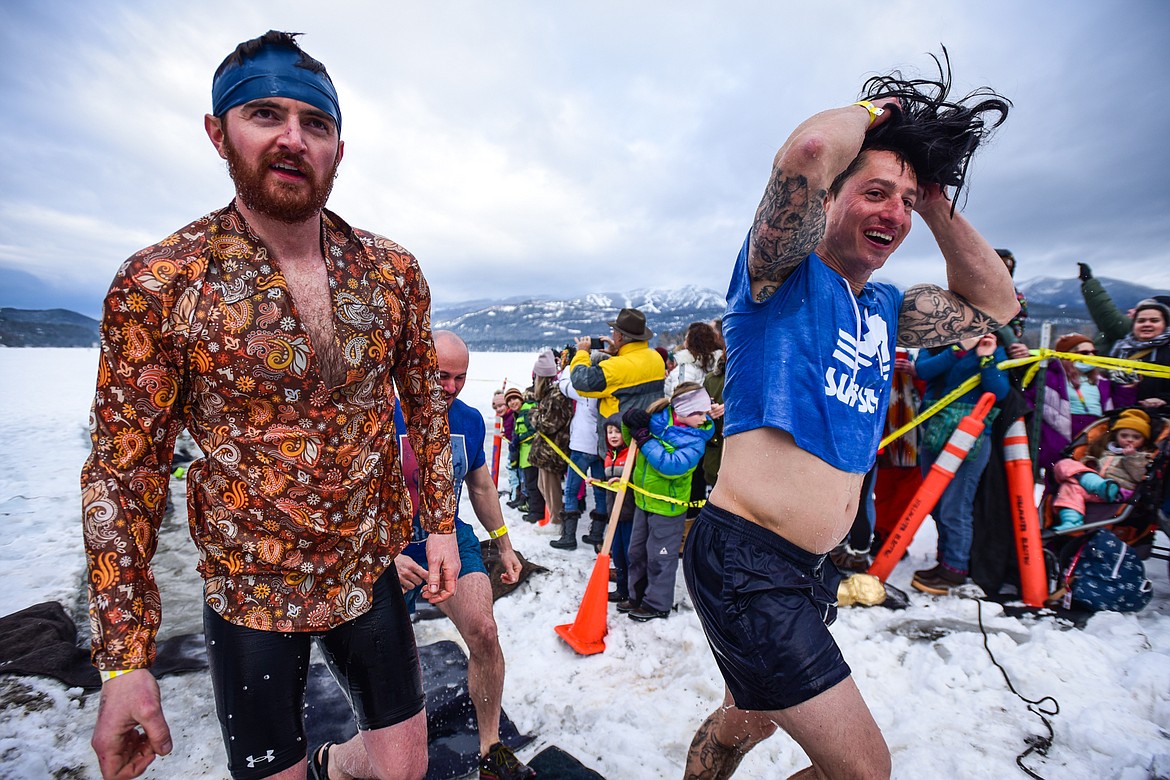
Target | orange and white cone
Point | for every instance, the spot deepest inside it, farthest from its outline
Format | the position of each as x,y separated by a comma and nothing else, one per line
587,633
942,471
1025,519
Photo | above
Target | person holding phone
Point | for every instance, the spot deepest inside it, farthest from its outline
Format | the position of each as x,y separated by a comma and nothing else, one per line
627,373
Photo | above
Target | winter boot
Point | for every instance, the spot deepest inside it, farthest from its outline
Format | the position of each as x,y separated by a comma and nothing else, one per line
568,540
1069,519
596,535
937,581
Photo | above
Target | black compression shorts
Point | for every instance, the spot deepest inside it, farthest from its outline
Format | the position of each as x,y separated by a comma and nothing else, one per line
259,679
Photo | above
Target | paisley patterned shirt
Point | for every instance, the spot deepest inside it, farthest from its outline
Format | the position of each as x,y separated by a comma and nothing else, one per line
299,504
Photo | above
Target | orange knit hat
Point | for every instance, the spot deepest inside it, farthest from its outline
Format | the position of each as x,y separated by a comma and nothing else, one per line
1134,420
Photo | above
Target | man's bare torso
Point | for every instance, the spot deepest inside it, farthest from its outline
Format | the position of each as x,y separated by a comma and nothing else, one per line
767,479
308,283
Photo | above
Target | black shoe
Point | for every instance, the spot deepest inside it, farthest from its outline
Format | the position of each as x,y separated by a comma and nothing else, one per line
629,605
501,764
533,518
845,558
564,544
937,581
514,502
643,614
319,762
617,596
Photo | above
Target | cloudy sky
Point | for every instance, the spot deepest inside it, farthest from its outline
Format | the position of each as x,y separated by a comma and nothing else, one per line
538,148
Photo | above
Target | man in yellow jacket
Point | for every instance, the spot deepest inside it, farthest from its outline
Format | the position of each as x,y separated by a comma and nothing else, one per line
633,377
629,375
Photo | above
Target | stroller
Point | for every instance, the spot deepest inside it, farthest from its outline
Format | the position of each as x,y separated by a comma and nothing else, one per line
1134,521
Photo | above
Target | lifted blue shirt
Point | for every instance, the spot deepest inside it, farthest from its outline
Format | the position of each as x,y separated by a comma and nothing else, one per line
813,360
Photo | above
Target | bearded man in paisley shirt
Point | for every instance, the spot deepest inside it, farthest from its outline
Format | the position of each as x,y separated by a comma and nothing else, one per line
280,336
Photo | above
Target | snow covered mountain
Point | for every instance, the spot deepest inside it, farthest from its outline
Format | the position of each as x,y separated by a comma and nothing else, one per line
47,328
1066,293
534,323
1059,301
522,324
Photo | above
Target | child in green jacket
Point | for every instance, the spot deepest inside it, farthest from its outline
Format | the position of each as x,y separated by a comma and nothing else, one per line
672,437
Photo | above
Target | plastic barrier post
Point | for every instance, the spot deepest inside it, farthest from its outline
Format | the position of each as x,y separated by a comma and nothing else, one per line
942,471
1025,519
497,438
586,634
496,447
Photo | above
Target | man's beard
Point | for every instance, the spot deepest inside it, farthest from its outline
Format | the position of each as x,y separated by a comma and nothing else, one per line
282,201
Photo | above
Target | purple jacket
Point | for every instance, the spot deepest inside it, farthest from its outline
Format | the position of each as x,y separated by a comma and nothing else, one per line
1059,425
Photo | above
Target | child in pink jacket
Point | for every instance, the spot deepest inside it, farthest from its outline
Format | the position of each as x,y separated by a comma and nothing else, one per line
1109,473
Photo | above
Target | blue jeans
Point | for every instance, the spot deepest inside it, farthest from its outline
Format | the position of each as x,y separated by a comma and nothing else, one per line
953,513
594,467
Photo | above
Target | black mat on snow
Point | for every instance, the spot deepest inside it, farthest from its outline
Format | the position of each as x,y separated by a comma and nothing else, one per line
42,640
453,736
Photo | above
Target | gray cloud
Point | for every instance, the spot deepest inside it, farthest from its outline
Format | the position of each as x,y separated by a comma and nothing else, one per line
528,148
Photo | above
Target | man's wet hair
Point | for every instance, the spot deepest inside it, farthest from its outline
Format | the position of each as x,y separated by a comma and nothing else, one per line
248,49
933,134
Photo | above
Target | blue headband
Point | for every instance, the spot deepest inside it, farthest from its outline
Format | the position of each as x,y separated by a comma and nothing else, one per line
273,72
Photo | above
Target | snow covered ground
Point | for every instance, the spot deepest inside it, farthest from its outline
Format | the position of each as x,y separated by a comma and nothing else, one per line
629,712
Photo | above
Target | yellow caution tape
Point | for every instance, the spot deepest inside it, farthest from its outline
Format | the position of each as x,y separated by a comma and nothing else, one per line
618,485
1035,360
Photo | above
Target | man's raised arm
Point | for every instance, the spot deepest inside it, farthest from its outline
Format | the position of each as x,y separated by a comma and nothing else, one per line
790,220
980,298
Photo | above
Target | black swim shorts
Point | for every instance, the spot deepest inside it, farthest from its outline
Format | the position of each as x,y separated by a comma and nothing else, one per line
259,679
765,605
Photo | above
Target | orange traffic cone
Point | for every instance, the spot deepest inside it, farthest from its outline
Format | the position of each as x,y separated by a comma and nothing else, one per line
941,473
545,520
586,634
1025,519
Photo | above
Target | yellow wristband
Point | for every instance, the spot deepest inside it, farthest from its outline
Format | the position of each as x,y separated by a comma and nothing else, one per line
874,111
107,676
496,534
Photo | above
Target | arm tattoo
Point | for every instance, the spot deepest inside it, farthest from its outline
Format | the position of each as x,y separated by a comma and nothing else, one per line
933,317
789,224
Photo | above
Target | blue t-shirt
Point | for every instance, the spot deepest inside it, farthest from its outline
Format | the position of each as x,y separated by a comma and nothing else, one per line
468,433
813,360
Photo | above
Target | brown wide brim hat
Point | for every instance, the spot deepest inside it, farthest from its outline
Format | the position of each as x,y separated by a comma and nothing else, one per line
631,323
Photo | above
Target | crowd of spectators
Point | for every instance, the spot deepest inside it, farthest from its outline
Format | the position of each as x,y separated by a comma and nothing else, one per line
581,398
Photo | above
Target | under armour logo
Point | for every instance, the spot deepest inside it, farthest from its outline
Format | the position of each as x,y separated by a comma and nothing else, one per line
252,760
